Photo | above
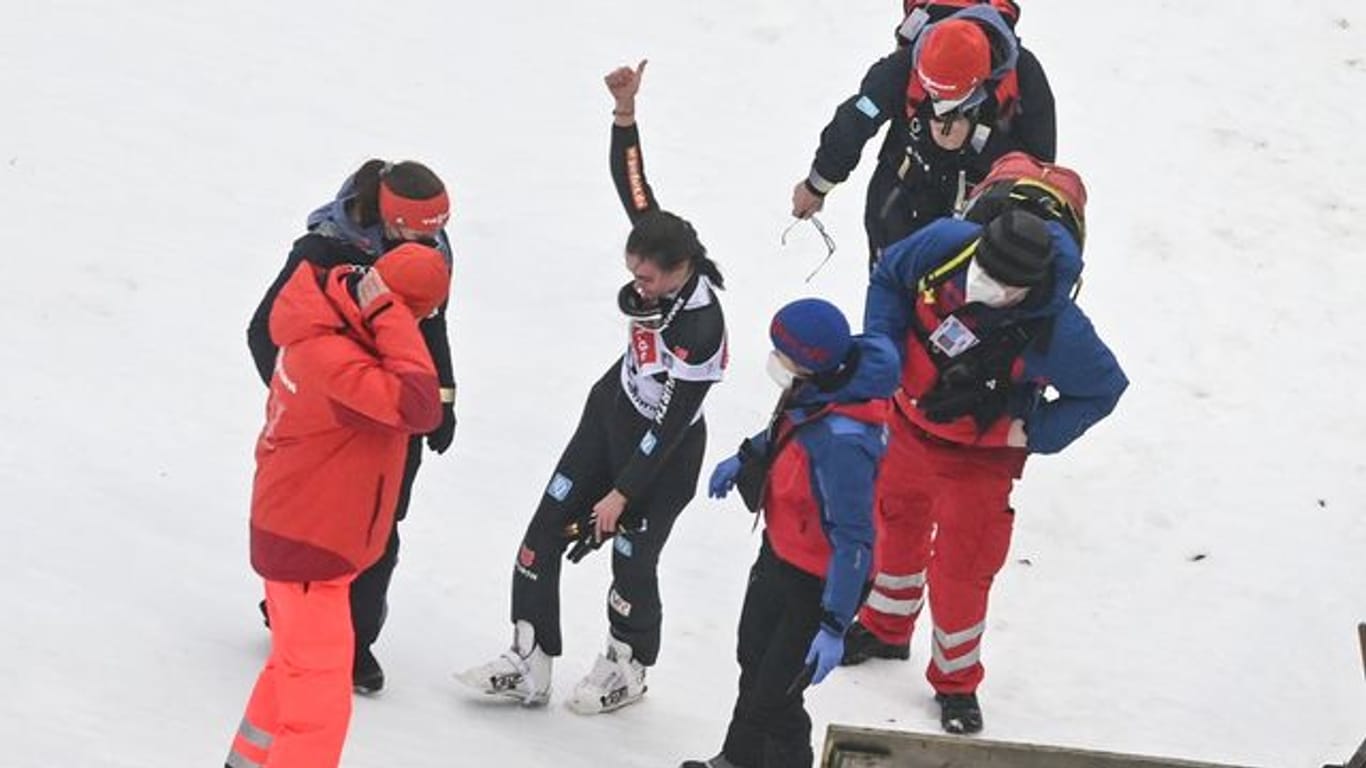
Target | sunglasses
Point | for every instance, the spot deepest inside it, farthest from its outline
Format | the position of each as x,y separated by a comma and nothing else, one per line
825,237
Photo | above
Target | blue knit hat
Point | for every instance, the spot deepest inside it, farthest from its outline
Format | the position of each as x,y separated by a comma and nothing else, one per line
812,333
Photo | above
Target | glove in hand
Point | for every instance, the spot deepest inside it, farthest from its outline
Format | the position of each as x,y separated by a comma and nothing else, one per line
723,477
439,439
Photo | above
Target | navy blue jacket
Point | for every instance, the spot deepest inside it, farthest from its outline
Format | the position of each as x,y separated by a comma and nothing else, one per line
1074,362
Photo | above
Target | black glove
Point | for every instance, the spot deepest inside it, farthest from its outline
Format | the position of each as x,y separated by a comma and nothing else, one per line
583,534
440,438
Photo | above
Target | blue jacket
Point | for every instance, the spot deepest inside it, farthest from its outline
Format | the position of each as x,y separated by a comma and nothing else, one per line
1074,361
826,471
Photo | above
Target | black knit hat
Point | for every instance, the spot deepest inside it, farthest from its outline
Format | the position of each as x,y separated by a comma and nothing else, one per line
1016,249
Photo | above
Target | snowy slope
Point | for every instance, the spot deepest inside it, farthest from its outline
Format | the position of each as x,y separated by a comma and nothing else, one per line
156,159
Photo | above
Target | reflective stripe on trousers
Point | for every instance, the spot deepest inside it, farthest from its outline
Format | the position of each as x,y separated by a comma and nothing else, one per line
897,595
249,747
946,643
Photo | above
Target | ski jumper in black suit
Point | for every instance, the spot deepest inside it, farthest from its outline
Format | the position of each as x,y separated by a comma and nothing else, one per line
642,433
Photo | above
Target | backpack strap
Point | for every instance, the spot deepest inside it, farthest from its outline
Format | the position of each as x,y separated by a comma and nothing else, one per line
926,286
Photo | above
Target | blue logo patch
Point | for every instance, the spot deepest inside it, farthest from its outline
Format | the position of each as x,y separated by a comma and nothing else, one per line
623,545
648,443
867,107
559,487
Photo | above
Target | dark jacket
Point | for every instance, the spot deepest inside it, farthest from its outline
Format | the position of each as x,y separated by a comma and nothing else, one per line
667,372
916,181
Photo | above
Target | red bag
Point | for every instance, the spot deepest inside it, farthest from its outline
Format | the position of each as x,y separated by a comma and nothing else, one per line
1052,192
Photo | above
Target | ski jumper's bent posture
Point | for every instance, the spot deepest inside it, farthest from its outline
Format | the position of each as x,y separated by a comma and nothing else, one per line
998,362
812,472
352,381
381,205
633,461
960,93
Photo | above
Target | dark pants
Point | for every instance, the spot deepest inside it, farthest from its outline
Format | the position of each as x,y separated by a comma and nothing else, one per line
369,592
608,432
782,613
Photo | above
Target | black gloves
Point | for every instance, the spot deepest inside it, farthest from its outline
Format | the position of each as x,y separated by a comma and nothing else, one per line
440,438
583,537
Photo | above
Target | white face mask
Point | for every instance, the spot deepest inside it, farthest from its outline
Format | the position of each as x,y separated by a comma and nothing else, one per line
984,288
780,373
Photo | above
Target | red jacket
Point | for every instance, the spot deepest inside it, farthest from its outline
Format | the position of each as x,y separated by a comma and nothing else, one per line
346,393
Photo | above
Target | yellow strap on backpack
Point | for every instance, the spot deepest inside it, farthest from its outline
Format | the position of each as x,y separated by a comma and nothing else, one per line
931,281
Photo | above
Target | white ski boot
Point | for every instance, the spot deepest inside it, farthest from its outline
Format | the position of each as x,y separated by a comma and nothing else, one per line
522,673
615,681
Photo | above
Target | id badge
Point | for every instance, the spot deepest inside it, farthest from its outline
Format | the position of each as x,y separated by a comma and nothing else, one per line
953,338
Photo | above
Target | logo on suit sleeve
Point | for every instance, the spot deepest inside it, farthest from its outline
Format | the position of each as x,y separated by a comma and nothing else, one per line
559,487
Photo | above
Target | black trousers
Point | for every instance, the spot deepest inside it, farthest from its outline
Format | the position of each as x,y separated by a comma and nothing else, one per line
370,589
782,614
609,430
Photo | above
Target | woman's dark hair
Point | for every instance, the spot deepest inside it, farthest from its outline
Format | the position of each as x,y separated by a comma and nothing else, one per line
669,241
409,179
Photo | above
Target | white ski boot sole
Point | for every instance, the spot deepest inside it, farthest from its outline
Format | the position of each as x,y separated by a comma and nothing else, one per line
601,705
503,689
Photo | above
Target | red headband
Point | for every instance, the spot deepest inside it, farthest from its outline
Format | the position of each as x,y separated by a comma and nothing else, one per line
425,216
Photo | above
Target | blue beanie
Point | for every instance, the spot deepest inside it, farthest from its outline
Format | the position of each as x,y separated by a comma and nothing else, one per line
812,333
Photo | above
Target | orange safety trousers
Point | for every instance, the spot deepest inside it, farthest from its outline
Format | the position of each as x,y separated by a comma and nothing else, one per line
301,706
943,527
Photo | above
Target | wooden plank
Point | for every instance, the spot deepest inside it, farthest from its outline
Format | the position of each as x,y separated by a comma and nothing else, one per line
849,747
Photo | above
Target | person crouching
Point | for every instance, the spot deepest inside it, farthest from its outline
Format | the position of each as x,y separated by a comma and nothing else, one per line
353,380
812,472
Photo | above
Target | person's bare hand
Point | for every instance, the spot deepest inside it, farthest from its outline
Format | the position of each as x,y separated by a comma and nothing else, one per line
624,83
805,202
607,512
370,287
1016,437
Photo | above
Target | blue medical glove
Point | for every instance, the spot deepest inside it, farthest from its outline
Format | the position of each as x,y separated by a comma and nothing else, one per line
723,477
826,651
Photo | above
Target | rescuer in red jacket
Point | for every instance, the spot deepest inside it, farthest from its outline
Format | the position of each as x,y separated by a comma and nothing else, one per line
353,380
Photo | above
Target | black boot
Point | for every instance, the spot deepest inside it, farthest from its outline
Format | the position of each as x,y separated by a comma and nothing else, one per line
959,712
861,645
366,675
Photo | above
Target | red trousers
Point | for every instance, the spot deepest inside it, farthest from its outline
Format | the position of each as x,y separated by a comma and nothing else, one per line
944,522
301,706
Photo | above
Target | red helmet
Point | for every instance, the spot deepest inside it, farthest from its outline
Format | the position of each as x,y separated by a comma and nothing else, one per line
953,62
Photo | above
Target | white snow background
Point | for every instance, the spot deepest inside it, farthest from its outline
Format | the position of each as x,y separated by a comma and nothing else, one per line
157,158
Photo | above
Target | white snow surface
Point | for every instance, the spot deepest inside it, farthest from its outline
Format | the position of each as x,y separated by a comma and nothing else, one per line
157,158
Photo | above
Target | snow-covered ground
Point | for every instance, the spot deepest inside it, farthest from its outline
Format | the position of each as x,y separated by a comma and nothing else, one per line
1194,565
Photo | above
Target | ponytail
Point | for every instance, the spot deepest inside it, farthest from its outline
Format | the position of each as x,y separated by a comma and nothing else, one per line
365,186
708,269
